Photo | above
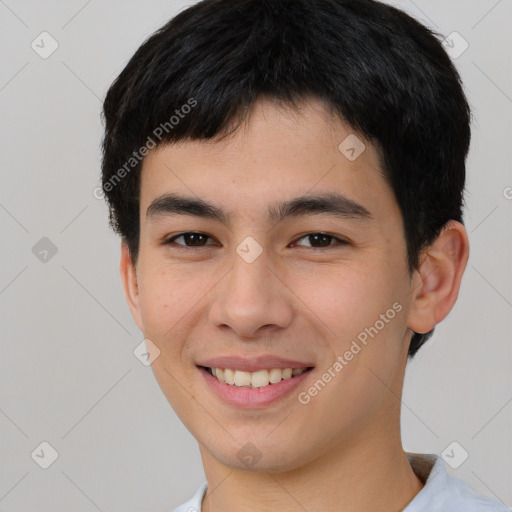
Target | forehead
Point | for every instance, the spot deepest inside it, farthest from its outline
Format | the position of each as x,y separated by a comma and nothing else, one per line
276,153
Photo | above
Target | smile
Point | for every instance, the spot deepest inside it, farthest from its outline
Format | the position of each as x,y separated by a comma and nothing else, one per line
257,379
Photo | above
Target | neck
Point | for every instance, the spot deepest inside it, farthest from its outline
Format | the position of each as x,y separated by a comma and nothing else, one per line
366,469
349,477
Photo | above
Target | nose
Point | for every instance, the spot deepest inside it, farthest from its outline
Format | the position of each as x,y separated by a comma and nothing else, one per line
252,298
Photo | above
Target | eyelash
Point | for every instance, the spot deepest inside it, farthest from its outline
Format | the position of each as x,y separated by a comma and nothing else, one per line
183,247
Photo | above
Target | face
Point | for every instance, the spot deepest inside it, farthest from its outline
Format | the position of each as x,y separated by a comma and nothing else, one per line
283,252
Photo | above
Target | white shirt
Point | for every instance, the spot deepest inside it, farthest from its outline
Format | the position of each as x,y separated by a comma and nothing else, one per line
441,492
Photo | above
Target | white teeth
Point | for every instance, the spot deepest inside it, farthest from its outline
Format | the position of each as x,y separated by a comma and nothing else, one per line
242,378
220,374
275,375
229,375
287,373
256,379
260,378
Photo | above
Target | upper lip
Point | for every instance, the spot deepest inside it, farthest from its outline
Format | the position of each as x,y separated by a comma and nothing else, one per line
252,364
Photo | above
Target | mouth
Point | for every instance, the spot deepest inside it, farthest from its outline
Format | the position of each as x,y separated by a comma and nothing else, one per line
257,379
255,382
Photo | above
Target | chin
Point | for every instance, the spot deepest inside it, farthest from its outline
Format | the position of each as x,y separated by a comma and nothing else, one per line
262,455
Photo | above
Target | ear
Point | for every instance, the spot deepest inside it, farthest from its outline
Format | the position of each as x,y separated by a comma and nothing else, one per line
130,286
436,283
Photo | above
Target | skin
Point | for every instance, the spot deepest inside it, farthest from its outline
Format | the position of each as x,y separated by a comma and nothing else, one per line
296,300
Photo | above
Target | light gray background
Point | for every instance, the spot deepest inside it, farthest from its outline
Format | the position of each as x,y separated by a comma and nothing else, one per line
67,372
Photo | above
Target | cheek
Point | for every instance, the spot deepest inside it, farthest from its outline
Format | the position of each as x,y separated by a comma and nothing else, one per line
165,299
358,308
344,298
172,300
365,321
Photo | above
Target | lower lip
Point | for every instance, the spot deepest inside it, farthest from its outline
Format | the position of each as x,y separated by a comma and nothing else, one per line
253,397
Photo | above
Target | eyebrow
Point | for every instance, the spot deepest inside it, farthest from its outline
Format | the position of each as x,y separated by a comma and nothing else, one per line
333,204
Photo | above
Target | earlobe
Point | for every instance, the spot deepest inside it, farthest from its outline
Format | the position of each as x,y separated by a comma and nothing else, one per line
437,280
130,285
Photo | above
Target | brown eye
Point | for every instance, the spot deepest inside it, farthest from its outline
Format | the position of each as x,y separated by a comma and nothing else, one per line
190,239
319,240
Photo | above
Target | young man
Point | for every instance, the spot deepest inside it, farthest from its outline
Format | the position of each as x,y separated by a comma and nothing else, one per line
287,177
